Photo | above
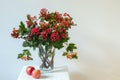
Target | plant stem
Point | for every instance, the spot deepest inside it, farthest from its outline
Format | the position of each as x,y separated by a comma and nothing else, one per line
44,55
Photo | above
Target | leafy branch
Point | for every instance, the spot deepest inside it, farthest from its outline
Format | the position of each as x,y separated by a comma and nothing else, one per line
25,55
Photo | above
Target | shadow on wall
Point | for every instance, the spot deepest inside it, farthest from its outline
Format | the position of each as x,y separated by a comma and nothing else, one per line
77,76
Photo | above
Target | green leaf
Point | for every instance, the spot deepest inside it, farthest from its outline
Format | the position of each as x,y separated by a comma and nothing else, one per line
52,14
26,44
46,48
65,53
22,28
28,16
74,24
58,45
28,30
34,47
26,52
75,57
20,55
70,47
42,18
29,58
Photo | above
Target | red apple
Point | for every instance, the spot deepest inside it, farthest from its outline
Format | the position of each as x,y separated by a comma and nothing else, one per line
36,74
29,70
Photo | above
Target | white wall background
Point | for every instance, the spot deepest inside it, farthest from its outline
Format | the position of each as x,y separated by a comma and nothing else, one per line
97,36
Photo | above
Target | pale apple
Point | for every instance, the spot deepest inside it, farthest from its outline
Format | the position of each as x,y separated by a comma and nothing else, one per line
29,70
36,74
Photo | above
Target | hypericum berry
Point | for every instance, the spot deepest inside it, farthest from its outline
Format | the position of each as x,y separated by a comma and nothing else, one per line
35,31
54,36
15,33
44,35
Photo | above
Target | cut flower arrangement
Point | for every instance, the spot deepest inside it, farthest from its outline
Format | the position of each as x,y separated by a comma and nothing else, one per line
47,32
